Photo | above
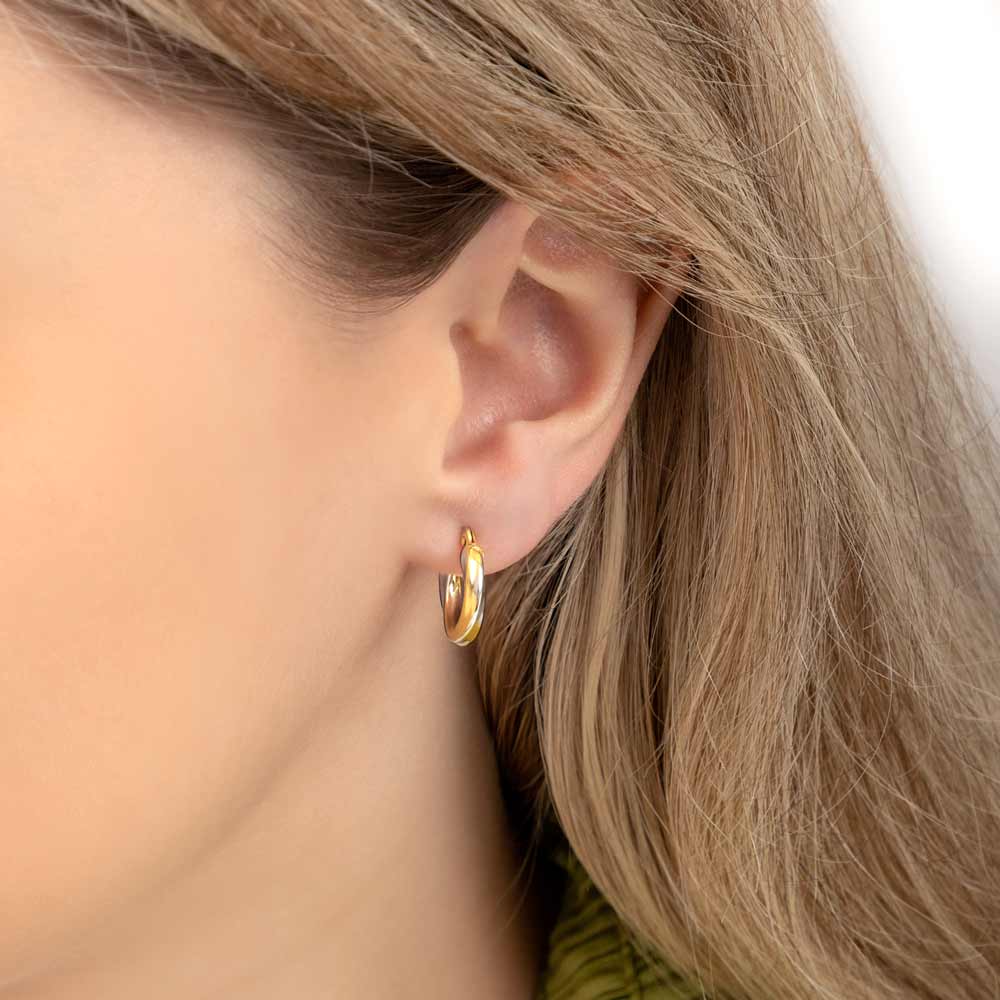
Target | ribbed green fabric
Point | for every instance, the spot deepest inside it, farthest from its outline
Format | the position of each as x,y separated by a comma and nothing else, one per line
591,955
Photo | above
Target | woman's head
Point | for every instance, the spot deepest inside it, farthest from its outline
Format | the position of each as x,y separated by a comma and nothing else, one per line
724,467
224,489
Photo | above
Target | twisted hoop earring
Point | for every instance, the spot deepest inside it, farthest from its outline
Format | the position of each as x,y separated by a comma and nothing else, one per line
463,594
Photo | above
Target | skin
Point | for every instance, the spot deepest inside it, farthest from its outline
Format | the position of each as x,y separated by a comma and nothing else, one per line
238,755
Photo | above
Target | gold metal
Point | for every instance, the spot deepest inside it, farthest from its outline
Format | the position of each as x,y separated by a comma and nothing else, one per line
463,594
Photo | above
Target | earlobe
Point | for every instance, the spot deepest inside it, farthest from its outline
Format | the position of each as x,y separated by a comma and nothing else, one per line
551,341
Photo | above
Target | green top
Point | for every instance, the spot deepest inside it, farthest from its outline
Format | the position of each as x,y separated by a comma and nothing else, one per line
591,956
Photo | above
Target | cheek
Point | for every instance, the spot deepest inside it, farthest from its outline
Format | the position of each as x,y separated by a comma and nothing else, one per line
169,591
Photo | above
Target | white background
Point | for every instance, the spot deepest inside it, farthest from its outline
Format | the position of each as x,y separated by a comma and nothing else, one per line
928,76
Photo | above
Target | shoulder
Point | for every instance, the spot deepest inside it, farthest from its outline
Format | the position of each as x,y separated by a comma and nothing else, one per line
591,955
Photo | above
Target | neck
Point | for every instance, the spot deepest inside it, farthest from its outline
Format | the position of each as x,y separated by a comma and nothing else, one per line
377,863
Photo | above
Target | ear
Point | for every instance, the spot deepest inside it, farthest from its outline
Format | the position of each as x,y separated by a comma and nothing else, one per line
550,341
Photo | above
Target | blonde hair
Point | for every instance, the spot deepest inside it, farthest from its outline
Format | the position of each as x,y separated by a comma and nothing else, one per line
752,671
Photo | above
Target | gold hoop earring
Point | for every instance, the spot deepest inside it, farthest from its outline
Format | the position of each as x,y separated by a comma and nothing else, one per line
463,594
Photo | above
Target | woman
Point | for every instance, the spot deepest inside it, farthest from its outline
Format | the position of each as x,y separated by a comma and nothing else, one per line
489,510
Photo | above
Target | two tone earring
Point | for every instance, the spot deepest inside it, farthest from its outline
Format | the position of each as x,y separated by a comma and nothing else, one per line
463,594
